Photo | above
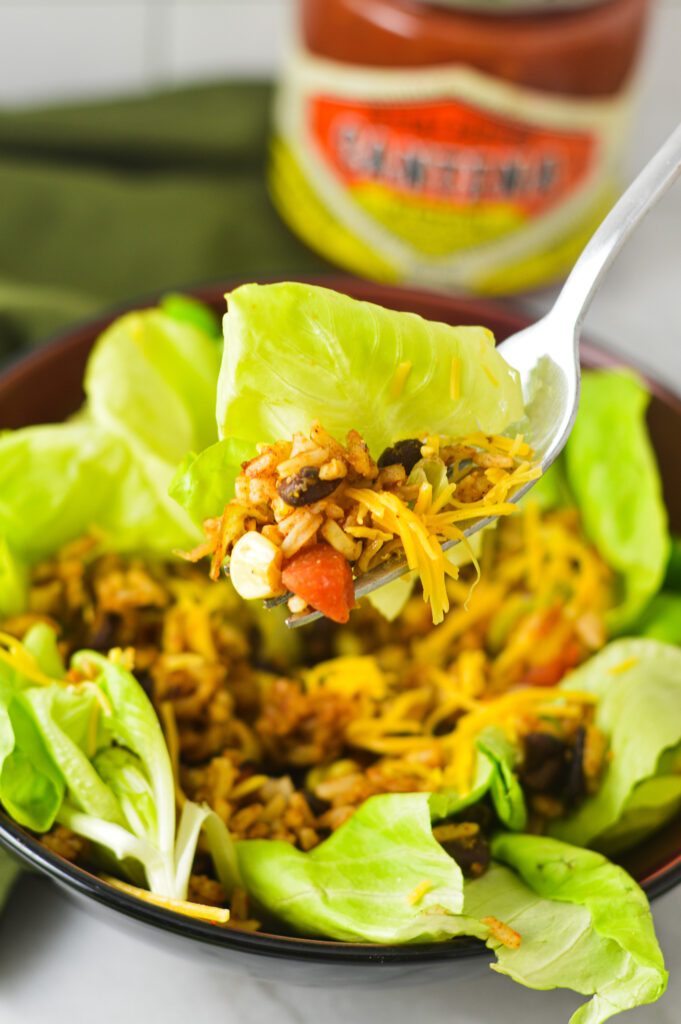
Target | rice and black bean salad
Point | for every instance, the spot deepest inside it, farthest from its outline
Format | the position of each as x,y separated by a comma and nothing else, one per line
285,737
310,512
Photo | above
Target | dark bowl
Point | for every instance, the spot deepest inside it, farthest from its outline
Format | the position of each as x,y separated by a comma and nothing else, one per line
46,386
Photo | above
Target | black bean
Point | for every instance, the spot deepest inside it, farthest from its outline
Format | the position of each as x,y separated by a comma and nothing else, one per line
104,632
471,854
546,764
315,803
305,487
404,453
576,783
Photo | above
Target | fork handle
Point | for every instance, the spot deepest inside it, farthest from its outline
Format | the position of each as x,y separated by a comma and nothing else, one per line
604,245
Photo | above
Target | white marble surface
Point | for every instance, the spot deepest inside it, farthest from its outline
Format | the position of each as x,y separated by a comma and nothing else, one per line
57,962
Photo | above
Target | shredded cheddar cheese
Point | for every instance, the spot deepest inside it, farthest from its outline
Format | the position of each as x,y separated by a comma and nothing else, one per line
623,666
506,935
399,380
455,379
216,915
418,892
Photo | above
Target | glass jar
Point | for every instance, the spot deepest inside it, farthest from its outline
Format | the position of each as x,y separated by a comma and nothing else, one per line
453,145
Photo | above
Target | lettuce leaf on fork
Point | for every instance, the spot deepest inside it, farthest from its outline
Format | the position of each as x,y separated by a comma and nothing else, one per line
296,352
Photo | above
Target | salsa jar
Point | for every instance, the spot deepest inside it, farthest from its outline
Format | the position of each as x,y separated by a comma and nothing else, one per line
473,146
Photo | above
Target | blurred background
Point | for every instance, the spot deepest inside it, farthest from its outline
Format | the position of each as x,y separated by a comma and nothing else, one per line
60,50
135,139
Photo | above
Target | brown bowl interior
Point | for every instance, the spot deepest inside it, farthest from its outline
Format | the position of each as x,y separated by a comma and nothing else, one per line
47,387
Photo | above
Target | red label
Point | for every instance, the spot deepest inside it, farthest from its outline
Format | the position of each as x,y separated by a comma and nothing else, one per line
449,151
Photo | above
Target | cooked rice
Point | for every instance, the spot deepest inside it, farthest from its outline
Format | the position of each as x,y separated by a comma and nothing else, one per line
369,516
286,742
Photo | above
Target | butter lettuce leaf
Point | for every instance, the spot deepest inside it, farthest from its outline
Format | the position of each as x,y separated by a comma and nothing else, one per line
584,924
638,683
494,775
662,619
612,472
59,482
203,484
13,581
504,788
189,310
152,380
150,397
296,352
355,886
92,756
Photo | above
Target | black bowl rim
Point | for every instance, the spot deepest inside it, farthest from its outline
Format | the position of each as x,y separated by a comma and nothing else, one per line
26,848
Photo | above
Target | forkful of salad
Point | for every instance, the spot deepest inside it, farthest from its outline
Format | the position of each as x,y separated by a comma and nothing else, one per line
403,437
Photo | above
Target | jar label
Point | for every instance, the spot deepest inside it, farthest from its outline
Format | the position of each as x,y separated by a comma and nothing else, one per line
445,174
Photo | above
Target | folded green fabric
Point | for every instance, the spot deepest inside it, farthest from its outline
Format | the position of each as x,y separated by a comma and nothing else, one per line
105,202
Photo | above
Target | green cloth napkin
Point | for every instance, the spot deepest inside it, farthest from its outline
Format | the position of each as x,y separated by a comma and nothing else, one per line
105,202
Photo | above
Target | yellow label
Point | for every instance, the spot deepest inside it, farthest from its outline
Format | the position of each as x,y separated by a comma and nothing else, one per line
443,176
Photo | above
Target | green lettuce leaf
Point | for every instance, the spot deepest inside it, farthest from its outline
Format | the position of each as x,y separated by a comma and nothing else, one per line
638,683
124,774
355,885
92,756
41,642
584,923
204,483
48,707
134,725
189,310
150,384
504,788
13,581
589,930
295,352
151,380
59,482
662,619
31,786
430,471
494,775
612,472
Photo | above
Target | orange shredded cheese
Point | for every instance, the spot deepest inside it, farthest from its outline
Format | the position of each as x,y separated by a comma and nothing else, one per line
490,375
461,740
216,915
507,936
418,892
399,380
623,666
14,654
455,379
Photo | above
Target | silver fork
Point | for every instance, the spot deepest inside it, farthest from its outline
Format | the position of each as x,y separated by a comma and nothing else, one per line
546,354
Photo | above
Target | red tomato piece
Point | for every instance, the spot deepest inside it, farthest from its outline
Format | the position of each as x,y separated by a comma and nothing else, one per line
553,671
323,578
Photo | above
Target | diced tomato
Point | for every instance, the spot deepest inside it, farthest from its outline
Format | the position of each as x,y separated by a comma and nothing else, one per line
323,578
553,671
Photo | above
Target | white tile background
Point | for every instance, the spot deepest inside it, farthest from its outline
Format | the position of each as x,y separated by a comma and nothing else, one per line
52,50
